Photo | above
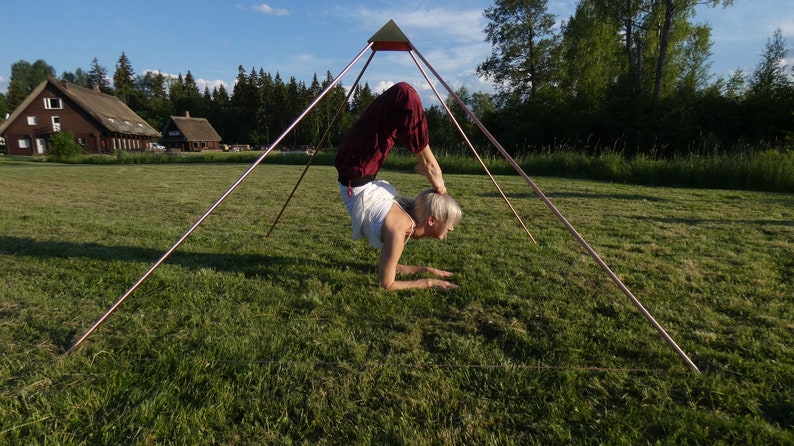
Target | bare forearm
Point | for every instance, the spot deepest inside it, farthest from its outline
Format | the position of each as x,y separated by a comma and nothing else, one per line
388,280
397,285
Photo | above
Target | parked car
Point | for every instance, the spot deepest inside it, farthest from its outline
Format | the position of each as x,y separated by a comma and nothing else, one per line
156,147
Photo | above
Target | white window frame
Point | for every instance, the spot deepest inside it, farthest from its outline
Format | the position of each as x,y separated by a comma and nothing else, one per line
24,143
53,103
33,120
56,123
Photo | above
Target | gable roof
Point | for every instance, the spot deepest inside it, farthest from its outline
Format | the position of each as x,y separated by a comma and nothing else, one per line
193,129
109,111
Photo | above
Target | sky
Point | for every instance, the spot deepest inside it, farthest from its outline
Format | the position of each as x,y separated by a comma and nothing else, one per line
301,38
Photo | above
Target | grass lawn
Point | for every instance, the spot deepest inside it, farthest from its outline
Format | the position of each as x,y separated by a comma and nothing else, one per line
243,339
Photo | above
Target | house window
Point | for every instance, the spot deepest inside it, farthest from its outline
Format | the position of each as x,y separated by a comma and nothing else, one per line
32,120
56,123
81,141
53,103
24,143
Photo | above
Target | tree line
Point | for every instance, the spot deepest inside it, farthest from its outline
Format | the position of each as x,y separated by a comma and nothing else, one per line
257,110
630,76
624,76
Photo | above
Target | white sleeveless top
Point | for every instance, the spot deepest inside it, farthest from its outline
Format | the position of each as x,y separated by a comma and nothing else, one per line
368,208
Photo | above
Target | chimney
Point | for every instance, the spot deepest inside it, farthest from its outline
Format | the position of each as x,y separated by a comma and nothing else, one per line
187,113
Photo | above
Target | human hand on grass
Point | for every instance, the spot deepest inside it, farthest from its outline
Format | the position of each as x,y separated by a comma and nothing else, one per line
438,272
443,284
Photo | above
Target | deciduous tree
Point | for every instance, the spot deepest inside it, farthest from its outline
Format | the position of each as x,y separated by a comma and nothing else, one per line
77,77
25,77
522,34
675,10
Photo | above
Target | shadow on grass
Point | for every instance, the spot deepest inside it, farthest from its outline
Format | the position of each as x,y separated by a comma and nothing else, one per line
282,271
717,221
531,195
251,265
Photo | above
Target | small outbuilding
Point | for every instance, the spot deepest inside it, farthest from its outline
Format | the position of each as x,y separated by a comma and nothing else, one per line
101,123
188,134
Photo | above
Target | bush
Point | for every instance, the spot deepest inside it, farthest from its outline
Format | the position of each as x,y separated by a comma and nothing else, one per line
63,147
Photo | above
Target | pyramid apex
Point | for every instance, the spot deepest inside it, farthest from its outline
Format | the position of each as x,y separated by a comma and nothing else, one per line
390,38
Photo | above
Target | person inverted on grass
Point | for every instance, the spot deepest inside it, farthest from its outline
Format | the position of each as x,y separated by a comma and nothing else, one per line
377,214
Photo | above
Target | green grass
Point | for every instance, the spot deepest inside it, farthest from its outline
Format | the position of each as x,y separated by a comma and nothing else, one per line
758,170
243,339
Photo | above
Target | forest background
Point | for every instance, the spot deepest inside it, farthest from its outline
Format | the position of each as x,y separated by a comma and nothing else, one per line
628,77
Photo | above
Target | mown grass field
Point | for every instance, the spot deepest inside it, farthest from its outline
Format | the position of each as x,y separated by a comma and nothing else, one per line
243,339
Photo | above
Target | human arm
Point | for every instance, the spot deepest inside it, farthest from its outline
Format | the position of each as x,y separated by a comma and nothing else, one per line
394,231
408,269
428,167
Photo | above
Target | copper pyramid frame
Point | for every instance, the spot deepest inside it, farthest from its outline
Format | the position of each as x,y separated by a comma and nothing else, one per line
391,38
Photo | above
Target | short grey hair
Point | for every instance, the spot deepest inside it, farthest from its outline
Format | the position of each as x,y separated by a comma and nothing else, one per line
429,202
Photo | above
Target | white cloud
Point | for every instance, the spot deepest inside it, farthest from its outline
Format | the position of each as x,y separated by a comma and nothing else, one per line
264,8
451,38
201,83
212,84
459,25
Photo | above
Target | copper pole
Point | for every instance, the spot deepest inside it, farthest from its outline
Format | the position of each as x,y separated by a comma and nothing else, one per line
567,224
321,143
471,146
216,204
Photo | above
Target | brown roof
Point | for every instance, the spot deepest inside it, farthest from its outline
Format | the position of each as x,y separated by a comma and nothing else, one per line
193,129
107,110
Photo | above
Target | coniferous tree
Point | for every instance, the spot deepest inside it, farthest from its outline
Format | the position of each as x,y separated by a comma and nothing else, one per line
333,103
244,105
362,98
218,114
124,82
268,108
292,108
155,106
98,76
177,94
279,98
314,118
192,101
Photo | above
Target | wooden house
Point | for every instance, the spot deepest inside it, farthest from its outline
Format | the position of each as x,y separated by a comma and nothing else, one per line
100,123
189,134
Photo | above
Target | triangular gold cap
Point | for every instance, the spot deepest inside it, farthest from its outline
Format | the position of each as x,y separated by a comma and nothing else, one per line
390,38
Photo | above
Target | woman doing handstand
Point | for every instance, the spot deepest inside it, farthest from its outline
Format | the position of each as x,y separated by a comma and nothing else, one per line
376,213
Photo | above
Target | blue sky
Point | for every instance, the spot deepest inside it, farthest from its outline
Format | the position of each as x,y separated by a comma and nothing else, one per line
211,38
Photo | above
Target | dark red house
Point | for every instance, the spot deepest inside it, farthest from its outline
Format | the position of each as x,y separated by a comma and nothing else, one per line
100,123
190,134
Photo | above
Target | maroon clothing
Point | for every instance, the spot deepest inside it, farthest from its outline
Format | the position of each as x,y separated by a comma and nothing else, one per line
396,113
